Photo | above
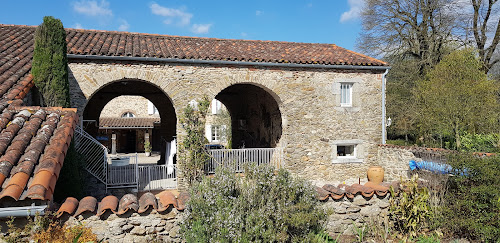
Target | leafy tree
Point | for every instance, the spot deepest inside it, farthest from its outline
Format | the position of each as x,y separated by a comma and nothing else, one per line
50,64
456,96
400,102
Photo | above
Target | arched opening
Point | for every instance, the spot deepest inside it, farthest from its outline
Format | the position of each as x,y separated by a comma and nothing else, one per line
163,131
255,116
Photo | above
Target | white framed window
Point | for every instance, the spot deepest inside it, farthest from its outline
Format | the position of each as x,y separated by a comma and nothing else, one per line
216,133
346,94
347,151
128,115
152,110
216,106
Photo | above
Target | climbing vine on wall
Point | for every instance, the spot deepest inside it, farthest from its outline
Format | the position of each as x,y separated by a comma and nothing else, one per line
192,152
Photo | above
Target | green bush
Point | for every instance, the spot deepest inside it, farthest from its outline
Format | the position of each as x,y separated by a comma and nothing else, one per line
260,207
472,206
488,143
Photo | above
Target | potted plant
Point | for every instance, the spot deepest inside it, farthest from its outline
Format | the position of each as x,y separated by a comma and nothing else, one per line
147,148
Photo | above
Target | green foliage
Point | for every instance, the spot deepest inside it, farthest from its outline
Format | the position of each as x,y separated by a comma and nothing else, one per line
360,232
50,64
472,208
192,151
323,237
261,207
428,239
147,147
488,143
456,96
70,182
409,208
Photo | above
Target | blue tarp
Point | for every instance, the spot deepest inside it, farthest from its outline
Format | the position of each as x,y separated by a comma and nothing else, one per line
434,167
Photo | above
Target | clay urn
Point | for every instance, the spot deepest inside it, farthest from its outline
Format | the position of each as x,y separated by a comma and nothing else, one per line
375,174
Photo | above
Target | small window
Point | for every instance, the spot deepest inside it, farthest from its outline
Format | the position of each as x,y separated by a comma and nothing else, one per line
345,151
128,114
216,132
346,94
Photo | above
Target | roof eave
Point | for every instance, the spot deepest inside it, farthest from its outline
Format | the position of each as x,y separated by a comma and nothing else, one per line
222,62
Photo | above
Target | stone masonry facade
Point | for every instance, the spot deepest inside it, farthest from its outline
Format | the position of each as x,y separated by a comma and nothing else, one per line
312,119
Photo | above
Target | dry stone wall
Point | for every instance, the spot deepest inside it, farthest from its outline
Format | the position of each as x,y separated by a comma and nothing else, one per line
312,119
138,105
134,227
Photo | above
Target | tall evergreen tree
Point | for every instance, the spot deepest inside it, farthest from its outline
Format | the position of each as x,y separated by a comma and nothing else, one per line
50,64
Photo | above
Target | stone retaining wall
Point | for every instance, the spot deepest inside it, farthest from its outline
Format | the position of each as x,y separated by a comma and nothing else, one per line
345,213
133,227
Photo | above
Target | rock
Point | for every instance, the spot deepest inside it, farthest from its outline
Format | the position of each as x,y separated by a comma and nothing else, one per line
150,230
127,227
353,209
162,223
117,222
169,226
360,201
135,221
159,229
370,211
138,230
383,204
174,232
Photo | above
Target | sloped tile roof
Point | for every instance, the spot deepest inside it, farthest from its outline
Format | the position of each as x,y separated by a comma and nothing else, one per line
128,202
17,45
33,144
127,122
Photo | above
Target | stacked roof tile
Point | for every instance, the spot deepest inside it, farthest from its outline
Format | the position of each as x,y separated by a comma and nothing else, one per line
128,203
367,190
127,122
33,144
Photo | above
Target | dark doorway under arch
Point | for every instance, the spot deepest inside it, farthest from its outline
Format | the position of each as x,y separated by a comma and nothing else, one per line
255,116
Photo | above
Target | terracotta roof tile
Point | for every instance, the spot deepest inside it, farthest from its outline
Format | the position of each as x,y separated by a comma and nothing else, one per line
166,200
182,200
17,45
69,206
87,204
147,201
107,203
34,140
128,202
129,122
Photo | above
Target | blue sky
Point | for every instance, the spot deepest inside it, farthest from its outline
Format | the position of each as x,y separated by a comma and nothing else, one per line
328,21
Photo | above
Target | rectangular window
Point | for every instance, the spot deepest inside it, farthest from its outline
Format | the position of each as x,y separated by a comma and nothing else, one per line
216,106
345,151
346,94
216,132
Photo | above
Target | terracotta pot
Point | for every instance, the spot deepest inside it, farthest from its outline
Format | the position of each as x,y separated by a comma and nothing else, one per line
375,174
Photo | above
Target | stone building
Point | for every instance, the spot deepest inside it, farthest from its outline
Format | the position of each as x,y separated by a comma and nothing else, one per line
321,104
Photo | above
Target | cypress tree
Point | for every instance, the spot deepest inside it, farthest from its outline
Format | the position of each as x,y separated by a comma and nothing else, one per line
50,64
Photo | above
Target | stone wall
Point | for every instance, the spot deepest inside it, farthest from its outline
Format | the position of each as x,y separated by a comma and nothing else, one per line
312,120
345,213
138,105
394,160
133,227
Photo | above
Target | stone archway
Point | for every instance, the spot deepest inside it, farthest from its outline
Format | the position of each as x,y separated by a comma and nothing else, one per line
135,87
256,120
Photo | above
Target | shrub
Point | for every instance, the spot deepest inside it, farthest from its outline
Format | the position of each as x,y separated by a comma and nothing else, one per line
489,143
409,209
261,207
472,206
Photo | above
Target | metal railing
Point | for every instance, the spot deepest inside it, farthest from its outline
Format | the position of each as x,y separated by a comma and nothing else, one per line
156,177
123,172
235,159
95,154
